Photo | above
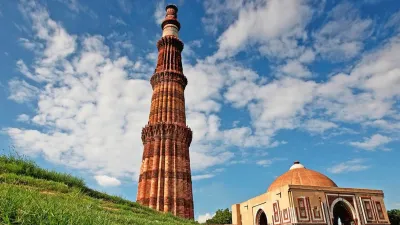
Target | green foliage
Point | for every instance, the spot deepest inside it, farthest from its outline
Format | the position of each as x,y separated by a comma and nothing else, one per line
221,217
394,216
32,195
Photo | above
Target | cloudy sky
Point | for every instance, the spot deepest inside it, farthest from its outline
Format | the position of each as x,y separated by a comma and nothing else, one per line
270,82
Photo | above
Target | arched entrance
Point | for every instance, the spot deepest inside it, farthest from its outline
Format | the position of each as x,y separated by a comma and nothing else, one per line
261,218
342,214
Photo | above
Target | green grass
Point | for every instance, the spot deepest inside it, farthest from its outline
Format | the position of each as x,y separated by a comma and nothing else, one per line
23,166
32,195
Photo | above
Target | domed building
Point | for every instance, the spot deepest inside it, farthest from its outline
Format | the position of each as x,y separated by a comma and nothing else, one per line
304,196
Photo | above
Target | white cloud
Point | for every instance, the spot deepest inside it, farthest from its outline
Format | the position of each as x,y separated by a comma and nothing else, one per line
385,125
280,104
281,111
354,165
126,6
159,13
203,103
393,22
93,113
369,91
375,141
124,42
286,21
203,157
93,103
296,69
264,163
30,44
212,78
76,7
220,13
241,93
117,21
59,44
21,91
21,66
204,217
308,56
342,37
23,118
283,47
189,52
72,5
366,94
318,126
107,181
202,177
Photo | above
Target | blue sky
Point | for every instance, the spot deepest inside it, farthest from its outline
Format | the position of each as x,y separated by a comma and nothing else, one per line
270,82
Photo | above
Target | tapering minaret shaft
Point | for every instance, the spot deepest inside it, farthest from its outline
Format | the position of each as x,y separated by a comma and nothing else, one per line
165,182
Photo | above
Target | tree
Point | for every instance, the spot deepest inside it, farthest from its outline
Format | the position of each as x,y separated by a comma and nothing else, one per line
221,217
394,216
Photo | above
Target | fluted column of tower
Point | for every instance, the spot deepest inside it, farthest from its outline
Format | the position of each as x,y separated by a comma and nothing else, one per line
165,181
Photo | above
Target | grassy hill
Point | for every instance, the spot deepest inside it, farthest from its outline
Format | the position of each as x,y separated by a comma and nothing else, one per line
32,195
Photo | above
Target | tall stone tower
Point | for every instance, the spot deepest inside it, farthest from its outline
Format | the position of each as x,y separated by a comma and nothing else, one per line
165,181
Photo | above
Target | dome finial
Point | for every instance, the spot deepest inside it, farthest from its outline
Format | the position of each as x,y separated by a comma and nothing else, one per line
296,165
299,175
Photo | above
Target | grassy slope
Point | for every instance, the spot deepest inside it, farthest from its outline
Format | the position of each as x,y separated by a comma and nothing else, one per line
31,195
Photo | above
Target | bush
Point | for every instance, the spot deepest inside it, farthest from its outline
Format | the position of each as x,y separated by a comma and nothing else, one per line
221,217
394,216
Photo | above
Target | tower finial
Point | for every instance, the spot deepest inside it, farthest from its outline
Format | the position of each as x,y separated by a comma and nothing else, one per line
171,25
172,6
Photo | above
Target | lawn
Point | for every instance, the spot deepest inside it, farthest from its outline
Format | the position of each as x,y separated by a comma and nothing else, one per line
32,195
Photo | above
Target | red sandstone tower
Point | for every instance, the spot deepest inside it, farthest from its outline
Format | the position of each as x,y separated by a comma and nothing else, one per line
165,181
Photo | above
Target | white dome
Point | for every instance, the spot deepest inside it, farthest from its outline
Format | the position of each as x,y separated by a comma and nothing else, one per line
296,165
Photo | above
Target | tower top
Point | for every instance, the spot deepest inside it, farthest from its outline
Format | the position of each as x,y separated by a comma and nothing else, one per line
173,6
171,20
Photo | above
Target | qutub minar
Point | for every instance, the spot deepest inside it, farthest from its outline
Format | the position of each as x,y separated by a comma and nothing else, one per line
165,181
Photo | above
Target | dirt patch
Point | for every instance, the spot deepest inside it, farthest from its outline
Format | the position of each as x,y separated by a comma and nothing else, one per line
109,208
48,192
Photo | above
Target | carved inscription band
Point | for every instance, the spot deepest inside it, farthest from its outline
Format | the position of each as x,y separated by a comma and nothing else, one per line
177,111
168,93
168,76
147,154
167,131
163,174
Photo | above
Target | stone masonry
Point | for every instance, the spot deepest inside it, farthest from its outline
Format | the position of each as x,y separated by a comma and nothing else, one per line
165,181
